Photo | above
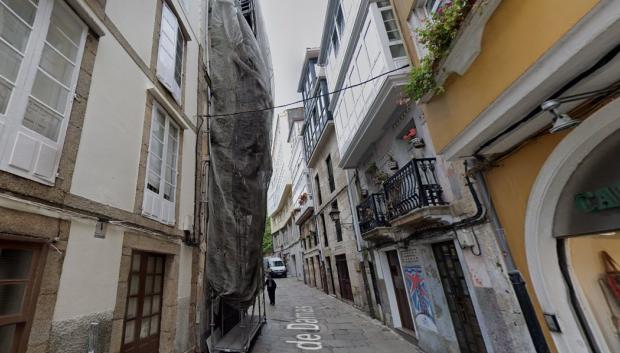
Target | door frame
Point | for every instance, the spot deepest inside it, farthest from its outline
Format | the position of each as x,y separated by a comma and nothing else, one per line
383,270
540,245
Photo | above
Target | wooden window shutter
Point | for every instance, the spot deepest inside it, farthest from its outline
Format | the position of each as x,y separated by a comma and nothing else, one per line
168,43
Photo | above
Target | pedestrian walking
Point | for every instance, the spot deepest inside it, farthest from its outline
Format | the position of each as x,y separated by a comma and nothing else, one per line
271,289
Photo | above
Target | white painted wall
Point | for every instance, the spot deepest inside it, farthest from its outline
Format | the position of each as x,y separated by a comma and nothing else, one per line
140,37
106,169
280,157
107,164
90,272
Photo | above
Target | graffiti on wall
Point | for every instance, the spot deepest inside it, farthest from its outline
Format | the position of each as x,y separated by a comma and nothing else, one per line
420,295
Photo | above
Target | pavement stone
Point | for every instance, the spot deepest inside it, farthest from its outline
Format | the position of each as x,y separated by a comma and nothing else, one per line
342,328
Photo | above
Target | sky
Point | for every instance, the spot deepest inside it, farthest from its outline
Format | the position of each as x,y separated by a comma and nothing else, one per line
292,26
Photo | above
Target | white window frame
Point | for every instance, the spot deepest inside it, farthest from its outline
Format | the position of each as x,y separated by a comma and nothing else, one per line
166,64
154,205
391,42
337,31
23,151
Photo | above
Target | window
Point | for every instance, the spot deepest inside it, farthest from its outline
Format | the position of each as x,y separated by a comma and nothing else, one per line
41,45
330,174
432,6
395,41
170,53
144,302
18,264
338,30
324,230
318,188
161,174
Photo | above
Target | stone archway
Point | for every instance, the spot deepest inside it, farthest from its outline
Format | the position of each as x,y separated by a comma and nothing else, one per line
541,251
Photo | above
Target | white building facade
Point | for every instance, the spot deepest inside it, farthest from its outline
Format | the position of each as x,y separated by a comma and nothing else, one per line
98,141
428,254
285,190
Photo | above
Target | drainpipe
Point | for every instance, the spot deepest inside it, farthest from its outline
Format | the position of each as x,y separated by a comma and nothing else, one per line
516,279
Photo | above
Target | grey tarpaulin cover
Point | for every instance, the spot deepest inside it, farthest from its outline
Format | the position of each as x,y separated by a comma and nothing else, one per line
241,75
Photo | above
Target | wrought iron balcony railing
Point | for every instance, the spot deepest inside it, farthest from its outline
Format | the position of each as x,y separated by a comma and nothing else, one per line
371,213
412,187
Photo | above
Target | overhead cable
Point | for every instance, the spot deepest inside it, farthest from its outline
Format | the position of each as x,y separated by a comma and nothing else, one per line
305,99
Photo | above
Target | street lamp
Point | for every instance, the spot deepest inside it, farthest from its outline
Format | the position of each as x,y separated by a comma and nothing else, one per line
334,214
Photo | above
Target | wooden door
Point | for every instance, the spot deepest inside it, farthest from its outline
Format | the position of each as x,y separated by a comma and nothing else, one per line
331,275
343,277
400,291
21,266
144,302
461,308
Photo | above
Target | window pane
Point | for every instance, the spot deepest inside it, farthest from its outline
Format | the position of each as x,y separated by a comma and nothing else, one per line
132,305
150,265
67,23
9,62
129,331
24,9
42,120
397,50
340,19
178,63
135,266
159,129
59,41
5,94
146,308
169,192
15,263
149,285
383,3
154,324
157,284
144,329
56,65
11,298
7,334
154,182
156,304
13,30
159,265
50,92
134,285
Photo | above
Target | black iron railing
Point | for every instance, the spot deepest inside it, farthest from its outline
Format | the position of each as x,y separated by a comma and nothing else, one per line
371,213
413,186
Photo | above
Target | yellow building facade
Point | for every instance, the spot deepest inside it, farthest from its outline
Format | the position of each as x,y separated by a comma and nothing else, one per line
554,193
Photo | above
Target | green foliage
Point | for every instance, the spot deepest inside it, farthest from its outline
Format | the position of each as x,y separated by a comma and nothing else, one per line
436,35
421,80
267,240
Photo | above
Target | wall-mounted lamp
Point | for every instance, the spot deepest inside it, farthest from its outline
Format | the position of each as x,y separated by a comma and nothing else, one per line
563,121
334,214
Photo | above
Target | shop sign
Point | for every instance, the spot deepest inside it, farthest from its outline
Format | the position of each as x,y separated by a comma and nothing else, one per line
601,199
590,200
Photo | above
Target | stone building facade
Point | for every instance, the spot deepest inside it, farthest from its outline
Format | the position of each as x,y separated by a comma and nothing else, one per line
98,174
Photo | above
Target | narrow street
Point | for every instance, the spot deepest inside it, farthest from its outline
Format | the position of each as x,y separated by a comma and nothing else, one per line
342,328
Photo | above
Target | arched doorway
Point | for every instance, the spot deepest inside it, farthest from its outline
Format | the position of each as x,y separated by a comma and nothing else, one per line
564,227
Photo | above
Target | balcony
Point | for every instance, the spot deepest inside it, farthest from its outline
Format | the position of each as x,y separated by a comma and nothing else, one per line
411,189
372,213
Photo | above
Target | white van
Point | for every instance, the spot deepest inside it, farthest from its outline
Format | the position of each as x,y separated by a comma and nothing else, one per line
275,265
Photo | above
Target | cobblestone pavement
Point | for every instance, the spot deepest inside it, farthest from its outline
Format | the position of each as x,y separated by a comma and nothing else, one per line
342,328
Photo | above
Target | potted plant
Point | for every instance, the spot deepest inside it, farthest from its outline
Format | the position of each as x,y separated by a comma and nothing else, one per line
411,137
